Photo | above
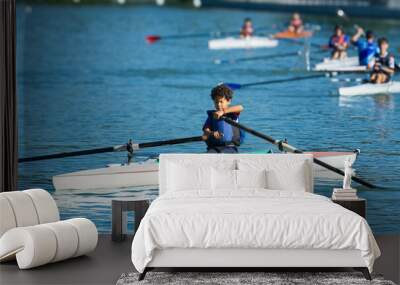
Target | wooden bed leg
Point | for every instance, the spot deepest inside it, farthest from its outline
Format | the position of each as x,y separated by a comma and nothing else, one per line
364,271
143,274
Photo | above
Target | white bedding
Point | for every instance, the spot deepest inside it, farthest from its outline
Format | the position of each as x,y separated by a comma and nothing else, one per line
252,218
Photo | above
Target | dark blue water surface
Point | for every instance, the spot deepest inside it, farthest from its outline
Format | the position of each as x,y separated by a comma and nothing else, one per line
87,79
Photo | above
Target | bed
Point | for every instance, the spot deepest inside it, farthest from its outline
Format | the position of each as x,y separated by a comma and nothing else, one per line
247,210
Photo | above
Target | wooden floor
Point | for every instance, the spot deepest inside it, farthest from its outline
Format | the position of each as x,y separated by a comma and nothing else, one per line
111,259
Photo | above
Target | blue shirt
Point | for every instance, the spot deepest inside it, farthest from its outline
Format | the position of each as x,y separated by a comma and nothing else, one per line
366,51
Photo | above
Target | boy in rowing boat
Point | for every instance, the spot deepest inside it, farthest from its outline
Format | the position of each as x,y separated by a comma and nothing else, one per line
247,29
384,64
296,24
220,136
367,47
339,42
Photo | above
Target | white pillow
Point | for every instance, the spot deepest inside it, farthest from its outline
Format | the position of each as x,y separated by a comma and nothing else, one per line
223,179
251,178
183,177
290,174
292,179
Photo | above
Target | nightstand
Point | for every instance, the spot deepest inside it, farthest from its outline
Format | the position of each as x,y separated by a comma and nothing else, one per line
358,206
119,216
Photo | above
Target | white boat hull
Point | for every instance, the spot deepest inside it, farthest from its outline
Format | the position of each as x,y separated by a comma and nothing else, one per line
349,64
370,89
135,174
347,61
357,68
146,174
335,159
242,43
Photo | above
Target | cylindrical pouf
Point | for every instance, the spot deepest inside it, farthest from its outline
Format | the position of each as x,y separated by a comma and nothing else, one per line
66,238
36,245
7,218
23,208
45,205
87,235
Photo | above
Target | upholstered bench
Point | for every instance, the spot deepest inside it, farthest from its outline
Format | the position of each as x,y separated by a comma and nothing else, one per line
31,231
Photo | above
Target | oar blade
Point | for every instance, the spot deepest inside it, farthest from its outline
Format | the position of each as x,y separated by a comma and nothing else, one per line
152,39
234,86
324,47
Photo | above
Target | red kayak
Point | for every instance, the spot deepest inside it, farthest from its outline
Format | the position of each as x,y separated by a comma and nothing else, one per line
292,35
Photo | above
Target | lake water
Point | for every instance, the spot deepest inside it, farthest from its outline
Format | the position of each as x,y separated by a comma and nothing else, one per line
87,79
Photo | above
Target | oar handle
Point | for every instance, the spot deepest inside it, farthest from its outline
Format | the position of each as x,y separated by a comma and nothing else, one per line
287,147
249,130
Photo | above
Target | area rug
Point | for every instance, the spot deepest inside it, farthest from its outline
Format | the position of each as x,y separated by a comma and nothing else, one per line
243,278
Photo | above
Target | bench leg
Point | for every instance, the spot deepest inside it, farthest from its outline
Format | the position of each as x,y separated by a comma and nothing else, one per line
364,271
143,274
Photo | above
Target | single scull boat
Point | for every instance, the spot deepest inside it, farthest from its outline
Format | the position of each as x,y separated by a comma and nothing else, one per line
242,43
370,89
146,173
292,35
349,64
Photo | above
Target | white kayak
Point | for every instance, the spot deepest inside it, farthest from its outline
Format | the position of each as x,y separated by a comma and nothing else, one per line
370,89
356,68
335,159
351,60
348,64
242,43
146,173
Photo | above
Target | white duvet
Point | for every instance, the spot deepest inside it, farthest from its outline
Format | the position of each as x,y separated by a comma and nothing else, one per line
250,219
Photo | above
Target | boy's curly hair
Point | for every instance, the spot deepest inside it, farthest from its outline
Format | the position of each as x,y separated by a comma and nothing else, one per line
383,40
222,90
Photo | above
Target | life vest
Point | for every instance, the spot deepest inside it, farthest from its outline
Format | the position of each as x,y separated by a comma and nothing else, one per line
339,40
387,61
230,135
296,23
247,31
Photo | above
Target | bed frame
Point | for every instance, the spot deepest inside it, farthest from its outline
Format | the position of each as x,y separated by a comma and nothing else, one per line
245,259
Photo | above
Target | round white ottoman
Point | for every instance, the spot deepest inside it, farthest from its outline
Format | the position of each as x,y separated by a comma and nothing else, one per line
40,244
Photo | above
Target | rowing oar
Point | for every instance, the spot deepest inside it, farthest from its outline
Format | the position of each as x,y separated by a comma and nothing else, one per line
286,147
238,86
341,14
347,79
301,42
262,57
154,38
128,147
